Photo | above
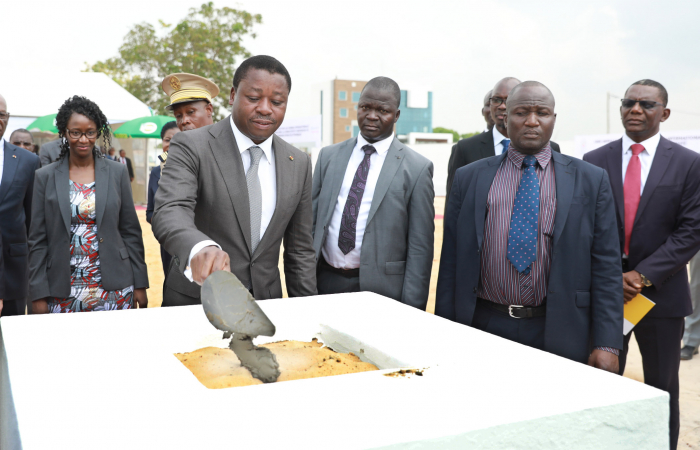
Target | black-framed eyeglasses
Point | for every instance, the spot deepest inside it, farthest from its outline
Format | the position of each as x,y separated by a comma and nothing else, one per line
75,134
4,115
646,104
497,101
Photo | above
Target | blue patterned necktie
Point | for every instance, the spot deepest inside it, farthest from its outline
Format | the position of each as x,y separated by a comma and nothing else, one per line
522,237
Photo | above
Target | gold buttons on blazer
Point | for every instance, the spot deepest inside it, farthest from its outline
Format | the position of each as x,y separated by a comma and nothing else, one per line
101,239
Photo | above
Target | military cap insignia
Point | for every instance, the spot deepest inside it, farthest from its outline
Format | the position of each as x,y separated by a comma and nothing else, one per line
175,82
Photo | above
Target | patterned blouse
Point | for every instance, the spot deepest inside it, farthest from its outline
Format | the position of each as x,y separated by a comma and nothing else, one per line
86,292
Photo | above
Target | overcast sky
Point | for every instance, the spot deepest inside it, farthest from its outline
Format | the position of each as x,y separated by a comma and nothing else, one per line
457,49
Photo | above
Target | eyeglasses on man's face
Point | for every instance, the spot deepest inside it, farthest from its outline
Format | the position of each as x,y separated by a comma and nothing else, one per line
75,134
4,115
646,104
497,101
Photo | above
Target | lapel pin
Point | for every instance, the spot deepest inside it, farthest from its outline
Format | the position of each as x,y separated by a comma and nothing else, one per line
291,158
14,156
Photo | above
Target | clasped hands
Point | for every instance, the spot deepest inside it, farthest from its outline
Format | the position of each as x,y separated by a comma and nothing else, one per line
208,260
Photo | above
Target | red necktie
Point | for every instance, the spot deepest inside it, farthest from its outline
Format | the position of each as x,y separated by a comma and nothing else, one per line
632,189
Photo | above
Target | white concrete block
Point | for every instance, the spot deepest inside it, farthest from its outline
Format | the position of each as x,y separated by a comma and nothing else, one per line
110,380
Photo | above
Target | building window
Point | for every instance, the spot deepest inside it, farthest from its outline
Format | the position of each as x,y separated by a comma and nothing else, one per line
355,97
342,95
355,106
343,112
347,127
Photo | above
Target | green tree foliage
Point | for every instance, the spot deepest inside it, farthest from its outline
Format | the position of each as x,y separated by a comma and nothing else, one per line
207,42
455,135
468,135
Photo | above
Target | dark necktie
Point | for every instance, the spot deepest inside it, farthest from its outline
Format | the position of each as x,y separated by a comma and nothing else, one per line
632,190
522,237
348,223
506,144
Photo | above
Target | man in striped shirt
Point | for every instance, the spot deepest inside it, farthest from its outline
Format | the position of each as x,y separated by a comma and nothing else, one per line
530,247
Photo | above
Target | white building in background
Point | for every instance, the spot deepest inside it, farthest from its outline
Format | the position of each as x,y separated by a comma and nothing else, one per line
414,138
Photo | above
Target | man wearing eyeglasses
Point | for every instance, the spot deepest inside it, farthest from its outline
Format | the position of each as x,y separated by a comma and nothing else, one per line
656,185
492,141
486,112
17,168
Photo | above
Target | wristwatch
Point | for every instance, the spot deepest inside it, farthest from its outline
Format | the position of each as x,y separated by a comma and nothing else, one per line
645,281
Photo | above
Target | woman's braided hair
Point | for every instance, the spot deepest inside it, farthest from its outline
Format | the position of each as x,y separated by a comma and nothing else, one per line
89,109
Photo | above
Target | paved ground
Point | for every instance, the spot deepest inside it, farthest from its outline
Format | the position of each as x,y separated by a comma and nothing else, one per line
690,370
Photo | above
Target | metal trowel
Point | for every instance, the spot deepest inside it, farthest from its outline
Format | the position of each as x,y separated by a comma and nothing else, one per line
231,309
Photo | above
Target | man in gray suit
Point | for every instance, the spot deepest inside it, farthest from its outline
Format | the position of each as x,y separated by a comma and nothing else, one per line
50,152
231,192
373,207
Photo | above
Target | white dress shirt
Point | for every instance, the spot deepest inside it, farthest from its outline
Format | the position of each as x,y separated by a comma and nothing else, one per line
646,157
331,252
268,185
2,156
497,138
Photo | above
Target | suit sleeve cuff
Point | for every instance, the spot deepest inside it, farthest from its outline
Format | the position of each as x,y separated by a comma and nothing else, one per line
614,351
196,249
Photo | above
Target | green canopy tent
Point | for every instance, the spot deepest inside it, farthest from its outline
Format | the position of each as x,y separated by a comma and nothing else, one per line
44,124
143,127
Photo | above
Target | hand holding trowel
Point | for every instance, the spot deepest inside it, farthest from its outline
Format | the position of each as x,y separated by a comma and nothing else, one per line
230,308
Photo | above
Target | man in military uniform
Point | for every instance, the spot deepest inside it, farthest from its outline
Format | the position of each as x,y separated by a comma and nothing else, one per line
190,99
191,103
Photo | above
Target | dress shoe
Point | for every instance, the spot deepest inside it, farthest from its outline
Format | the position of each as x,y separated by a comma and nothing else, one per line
687,352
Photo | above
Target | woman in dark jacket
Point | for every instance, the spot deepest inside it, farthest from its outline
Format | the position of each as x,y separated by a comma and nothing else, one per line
169,130
85,247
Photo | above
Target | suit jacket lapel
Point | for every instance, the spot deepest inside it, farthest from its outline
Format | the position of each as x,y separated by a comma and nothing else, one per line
662,158
565,176
228,158
336,174
102,176
284,176
487,147
484,181
614,163
9,169
393,160
61,179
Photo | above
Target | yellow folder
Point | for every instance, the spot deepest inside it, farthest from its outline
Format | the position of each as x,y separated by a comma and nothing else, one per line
635,309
